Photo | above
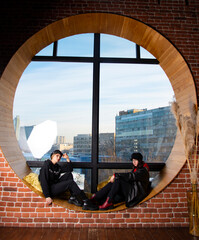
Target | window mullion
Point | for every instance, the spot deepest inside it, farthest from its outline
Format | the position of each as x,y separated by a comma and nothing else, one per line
137,51
95,116
55,45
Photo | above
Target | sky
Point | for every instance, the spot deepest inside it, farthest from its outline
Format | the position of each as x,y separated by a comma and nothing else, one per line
62,92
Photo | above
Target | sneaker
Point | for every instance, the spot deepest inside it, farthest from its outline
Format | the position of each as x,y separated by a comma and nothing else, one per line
93,199
88,205
74,200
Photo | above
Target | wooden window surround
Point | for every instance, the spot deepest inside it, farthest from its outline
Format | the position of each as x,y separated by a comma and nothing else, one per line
170,59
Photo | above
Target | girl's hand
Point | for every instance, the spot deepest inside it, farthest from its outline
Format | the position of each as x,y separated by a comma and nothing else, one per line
112,179
49,200
65,155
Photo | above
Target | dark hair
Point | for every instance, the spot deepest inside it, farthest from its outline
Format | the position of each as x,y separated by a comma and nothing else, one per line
138,156
56,152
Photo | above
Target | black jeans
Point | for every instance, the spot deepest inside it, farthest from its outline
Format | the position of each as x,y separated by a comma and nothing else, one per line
116,191
65,183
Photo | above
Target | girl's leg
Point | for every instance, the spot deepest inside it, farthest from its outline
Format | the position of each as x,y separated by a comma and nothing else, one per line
102,193
66,176
118,188
65,183
115,189
121,188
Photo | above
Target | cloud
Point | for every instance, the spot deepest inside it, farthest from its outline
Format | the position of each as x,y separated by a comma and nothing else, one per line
63,92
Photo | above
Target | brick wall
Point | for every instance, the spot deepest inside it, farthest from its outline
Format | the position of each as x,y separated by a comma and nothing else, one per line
19,206
178,22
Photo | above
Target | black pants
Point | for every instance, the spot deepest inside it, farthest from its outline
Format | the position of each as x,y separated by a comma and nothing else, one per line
116,191
65,183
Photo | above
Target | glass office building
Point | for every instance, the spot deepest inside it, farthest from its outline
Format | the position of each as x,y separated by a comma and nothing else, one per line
82,145
151,132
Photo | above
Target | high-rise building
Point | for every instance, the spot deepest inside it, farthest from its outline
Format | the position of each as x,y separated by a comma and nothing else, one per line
151,132
16,123
60,140
82,144
106,146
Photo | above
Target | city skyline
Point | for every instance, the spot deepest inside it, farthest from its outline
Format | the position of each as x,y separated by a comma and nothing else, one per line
62,92
58,137
151,132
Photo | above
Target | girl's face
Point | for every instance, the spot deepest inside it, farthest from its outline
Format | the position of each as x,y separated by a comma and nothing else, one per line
135,162
56,158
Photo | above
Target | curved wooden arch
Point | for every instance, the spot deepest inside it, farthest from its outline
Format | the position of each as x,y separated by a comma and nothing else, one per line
170,60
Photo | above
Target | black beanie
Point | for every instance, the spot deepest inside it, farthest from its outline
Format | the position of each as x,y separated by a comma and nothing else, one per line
138,156
56,152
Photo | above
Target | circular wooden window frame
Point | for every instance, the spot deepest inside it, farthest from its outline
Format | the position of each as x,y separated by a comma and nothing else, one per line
164,51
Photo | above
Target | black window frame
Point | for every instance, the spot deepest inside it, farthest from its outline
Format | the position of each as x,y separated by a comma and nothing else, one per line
94,165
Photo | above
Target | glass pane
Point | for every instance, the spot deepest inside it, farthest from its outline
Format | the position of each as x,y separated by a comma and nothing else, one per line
104,174
112,46
61,93
85,179
76,46
36,170
152,175
47,51
145,54
134,108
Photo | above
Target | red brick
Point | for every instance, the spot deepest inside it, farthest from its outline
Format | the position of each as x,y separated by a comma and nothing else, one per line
2,214
126,215
102,220
70,220
104,215
25,220
41,215
50,215
132,220
57,209
86,220
10,189
56,219
28,209
25,215
40,220
73,215
8,219
12,179
42,209
12,209
9,199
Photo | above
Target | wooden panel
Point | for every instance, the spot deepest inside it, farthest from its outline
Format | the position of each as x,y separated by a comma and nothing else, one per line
170,60
132,233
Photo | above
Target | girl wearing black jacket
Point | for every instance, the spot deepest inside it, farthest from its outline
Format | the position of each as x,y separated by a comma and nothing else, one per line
53,184
131,187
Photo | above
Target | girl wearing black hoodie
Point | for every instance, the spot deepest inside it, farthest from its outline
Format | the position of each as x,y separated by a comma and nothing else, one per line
53,183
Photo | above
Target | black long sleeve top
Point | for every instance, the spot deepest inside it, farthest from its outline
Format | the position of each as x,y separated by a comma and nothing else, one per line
139,184
50,174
